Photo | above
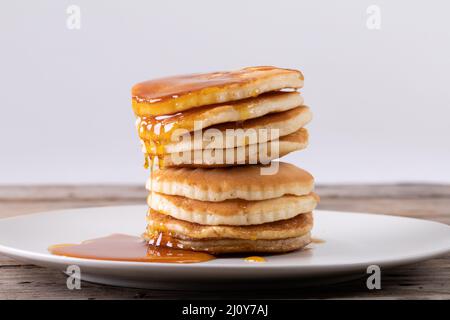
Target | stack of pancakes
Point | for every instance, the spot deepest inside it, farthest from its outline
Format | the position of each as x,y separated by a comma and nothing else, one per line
215,187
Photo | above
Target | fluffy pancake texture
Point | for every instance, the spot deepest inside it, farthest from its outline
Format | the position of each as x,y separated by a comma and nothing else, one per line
245,132
168,128
232,212
224,246
240,182
178,93
247,154
179,229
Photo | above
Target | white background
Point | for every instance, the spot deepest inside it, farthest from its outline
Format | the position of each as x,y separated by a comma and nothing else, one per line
381,98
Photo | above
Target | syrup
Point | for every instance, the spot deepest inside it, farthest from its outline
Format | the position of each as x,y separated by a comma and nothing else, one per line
122,247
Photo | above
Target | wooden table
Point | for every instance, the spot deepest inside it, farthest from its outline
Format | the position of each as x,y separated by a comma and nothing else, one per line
425,280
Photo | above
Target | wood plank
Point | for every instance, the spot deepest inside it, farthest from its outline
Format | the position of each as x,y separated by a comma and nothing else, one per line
72,192
437,209
410,282
14,208
136,192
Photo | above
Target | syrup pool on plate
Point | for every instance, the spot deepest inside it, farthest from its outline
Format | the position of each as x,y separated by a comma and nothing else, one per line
122,247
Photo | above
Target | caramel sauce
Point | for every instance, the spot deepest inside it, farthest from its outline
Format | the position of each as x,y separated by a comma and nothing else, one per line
255,259
121,247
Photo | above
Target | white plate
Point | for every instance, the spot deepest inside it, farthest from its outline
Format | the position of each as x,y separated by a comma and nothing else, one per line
353,241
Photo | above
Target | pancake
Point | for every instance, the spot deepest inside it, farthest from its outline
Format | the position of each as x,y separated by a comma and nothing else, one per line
178,93
224,246
233,211
249,154
252,131
168,128
184,230
240,182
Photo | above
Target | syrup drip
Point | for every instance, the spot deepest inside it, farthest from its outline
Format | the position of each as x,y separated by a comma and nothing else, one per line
154,148
156,132
162,128
317,240
121,247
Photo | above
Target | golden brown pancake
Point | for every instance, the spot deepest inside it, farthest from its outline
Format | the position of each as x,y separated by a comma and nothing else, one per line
235,212
247,154
281,229
178,93
224,246
219,136
240,182
168,128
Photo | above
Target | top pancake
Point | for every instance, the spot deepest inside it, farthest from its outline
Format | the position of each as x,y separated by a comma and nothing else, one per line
178,93
241,182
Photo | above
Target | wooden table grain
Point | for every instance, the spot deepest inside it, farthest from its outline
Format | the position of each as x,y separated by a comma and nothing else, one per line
425,280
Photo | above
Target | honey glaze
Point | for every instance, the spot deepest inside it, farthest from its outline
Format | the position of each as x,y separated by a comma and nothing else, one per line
255,259
122,247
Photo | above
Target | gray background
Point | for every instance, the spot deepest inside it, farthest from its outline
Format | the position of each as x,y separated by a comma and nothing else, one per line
380,98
